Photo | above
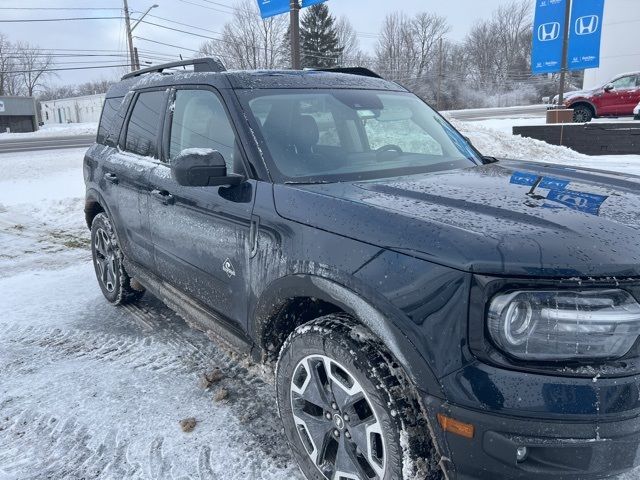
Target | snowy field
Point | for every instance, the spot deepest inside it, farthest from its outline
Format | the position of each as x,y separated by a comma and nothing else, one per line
89,390
55,130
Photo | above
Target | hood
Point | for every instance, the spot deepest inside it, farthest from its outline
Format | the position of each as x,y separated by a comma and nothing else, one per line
507,218
575,93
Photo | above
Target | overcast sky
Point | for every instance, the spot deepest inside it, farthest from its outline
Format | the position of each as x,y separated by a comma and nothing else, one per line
365,15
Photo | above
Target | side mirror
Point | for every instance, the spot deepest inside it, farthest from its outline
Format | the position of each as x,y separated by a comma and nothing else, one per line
609,87
202,167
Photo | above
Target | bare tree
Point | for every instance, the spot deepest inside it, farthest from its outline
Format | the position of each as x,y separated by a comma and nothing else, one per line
7,67
407,50
33,67
499,49
248,41
348,41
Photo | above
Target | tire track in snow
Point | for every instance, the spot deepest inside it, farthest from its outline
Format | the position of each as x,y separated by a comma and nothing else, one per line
157,344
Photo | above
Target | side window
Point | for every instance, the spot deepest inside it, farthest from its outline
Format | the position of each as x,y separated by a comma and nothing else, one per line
142,130
625,83
199,120
107,119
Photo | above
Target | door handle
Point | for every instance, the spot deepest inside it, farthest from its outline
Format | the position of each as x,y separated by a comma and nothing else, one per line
111,178
163,196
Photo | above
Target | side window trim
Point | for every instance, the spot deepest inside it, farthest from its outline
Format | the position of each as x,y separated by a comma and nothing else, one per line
166,129
125,124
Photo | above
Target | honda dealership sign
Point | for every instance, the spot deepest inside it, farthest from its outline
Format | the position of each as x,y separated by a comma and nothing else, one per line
585,29
269,8
548,35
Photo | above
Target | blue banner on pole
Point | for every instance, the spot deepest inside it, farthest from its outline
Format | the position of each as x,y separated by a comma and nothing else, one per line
585,35
548,35
270,8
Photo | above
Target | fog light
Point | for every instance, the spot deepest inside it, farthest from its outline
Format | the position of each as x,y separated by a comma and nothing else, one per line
521,454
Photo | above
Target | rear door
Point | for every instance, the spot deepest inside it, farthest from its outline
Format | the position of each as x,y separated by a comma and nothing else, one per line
203,235
128,171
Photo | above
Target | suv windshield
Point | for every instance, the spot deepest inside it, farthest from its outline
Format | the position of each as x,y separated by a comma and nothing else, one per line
343,135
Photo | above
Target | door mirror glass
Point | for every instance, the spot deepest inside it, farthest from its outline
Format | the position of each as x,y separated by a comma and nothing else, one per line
608,87
202,167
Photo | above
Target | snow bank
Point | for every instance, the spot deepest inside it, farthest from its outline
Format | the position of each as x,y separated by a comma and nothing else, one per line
500,143
55,130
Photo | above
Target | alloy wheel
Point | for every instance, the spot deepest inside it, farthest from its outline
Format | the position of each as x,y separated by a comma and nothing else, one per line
105,258
336,421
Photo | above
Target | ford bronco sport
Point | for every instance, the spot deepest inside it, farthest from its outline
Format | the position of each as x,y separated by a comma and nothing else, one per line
429,311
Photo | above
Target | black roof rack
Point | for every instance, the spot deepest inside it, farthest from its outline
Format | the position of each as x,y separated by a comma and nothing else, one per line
206,64
362,71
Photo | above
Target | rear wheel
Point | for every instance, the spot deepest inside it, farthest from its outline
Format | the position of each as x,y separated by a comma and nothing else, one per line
114,281
347,406
582,114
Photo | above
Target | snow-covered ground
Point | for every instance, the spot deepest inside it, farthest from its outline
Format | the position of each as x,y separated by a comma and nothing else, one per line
55,130
88,390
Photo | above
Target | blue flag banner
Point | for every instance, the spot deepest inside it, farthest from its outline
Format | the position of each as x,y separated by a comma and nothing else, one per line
548,35
585,35
270,8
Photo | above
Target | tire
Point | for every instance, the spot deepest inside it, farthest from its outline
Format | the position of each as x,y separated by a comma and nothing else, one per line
582,114
114,281
332,371
637,117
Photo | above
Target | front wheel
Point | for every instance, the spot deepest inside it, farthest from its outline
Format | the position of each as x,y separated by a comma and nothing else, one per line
114,281
347,407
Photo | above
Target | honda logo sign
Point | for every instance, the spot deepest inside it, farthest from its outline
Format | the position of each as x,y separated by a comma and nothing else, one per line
548,32
587,25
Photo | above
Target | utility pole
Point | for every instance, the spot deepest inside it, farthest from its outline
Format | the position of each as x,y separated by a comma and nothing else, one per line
440,68
133,52
565,52
127,22
295,35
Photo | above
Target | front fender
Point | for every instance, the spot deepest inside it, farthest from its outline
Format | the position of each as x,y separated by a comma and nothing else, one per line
378,318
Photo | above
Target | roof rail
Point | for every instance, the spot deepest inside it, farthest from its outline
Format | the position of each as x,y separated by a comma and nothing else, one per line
206,64
362,71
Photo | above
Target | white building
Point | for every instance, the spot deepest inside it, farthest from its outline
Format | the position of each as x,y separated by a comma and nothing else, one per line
84,109
620,42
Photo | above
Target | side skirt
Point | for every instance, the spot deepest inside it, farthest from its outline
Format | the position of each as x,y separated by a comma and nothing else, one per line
193,312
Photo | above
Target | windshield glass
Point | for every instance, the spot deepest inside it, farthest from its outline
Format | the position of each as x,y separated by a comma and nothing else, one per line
343,135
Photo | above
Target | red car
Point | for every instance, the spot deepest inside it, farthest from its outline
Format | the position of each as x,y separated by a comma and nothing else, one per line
617,98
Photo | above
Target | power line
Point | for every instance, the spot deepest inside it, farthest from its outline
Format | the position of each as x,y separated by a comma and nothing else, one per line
59,8
69,19
63,69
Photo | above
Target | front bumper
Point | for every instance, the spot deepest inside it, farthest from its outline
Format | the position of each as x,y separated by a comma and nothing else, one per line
560,450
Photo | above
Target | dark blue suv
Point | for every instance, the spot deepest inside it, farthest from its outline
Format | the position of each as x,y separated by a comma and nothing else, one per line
428,311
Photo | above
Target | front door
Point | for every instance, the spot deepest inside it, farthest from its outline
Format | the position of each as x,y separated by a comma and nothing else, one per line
614,102
202,235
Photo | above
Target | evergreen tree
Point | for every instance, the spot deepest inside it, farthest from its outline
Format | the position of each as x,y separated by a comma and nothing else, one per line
320,44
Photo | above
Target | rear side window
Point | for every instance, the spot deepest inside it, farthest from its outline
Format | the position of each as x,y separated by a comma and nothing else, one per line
144,123
107,121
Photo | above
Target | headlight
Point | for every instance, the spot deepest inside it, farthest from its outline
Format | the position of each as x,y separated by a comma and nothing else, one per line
564,325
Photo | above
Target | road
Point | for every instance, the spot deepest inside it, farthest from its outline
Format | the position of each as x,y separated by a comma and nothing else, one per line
530,111
45,143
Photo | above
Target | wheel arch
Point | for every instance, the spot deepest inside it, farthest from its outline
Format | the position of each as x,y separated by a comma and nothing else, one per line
94,204
586,103
277,313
